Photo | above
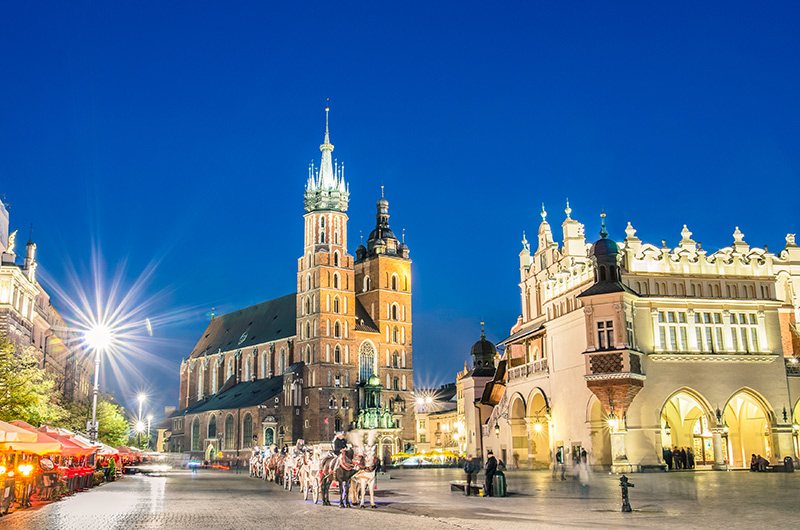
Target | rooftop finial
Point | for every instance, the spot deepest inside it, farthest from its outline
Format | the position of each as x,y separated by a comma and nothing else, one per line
568,210
381,191
483,333
404,236
603,231
543,214
524,239
360,233
327,109
30,234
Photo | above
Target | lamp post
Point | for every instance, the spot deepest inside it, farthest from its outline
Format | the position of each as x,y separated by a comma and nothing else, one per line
139,423
98,338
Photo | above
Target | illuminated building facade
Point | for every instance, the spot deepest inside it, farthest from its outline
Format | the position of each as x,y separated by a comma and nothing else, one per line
625,349
313,358
29,320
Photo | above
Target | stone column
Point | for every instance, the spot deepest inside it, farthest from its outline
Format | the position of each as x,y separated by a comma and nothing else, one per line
726,330
782,443
531,433
693,346
719,458
656,334
762,332
619,455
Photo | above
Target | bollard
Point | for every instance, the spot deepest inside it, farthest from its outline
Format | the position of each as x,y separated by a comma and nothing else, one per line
624,484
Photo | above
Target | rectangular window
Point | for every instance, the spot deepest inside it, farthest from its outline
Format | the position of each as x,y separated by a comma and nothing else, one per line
601,336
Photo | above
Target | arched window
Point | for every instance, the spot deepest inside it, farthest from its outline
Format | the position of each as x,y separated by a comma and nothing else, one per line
212,427
335,259
230,368
247,368
269,436
396,383
395,335
336,281
332,403
336,304
406,283
196,434
229,439
200,384
264,368
247,431
337,330
337,354
337,424
395,360
366,360
394,311
329,378
366,283
394,282
308,282
307,308
214,378
282,362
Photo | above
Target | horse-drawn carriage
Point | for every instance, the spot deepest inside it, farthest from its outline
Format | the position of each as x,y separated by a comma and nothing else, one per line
316,469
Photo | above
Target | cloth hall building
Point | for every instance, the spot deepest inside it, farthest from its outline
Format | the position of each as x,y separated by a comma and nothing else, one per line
625,349
334,356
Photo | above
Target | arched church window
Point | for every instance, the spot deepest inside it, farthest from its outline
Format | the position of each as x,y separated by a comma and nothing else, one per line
337,330
366,283
212,427
394,283
396,383
394,312
337,354
336,304
322,237
395,360
366,360
335,281
395,335
336,258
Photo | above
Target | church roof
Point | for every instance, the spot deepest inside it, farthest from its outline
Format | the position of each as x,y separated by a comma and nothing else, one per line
265,322
364,322
245,394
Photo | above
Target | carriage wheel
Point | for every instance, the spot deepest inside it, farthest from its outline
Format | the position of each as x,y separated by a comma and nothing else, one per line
315,485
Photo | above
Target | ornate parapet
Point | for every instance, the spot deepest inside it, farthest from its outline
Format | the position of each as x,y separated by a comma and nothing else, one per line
615,377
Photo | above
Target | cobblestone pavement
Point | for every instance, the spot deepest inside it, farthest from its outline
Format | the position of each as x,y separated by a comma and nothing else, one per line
421,499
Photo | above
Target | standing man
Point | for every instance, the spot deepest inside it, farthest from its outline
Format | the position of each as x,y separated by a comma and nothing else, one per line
488,481
339,443
560,460
471,470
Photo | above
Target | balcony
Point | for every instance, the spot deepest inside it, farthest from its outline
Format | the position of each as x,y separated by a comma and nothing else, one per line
538,366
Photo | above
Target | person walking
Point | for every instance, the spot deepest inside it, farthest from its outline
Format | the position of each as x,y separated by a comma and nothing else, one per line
668,458
471,469
488,481
561,462
684,460
676,457
690,457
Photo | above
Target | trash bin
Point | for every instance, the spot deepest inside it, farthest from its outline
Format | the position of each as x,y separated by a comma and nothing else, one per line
499,487
788,464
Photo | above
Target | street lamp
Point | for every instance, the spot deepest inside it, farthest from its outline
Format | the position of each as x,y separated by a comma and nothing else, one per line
98,338
139,428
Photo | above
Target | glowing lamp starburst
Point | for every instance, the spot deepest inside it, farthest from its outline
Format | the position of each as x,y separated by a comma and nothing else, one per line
99,337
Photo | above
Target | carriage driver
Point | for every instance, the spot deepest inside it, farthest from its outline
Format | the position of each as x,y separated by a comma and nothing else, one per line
300,446
339,443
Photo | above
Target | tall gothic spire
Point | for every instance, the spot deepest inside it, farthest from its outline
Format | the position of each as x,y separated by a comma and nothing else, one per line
326,189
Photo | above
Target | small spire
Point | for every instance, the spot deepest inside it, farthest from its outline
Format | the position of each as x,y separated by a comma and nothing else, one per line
543,214
524,240
327,110
404,236
603,231
483,333
568,210
360,233
30,235
381,191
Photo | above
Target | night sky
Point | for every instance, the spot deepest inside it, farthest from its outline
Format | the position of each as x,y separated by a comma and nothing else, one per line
178,135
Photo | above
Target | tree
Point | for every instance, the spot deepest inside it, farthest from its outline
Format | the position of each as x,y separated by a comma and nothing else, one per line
112,428
27,392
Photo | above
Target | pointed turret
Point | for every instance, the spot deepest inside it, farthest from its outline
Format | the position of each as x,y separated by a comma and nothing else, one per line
574,238
326,190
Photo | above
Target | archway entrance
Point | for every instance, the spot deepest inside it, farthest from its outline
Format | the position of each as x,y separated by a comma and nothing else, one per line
748,429
539,429
600,434
519,435
685,425
211,452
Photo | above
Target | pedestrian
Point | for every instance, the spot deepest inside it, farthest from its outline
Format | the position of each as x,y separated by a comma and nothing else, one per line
339,443
753,462
471,469
583,456
488,480
667,454
676,457
561,462
684,460
690,456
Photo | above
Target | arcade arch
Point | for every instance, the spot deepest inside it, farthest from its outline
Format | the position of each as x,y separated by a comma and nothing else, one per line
748,420
686,422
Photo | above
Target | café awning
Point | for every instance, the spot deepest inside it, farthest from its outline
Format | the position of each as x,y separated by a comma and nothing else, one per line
12,433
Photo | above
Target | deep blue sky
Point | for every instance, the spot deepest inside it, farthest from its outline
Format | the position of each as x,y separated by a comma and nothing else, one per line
182,132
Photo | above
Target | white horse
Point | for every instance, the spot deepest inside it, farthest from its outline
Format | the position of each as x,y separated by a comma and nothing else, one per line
364,479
